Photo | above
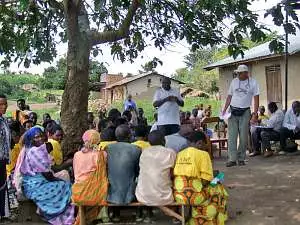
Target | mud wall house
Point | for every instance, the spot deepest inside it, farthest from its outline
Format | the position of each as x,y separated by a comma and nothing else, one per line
268,69
142,86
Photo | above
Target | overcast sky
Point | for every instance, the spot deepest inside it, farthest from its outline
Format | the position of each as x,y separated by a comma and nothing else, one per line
172,57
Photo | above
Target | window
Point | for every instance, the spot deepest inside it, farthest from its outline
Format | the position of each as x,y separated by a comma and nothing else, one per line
149,83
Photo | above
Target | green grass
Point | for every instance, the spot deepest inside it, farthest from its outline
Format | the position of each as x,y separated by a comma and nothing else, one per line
54,113
189,105
36,96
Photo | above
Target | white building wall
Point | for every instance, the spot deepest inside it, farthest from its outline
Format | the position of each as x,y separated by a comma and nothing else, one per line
141,86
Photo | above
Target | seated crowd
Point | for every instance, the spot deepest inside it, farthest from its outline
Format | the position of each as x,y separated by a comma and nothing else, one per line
119,162
279,127
123,160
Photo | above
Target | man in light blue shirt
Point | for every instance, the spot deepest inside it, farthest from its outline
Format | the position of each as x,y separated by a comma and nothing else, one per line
291,125
129,104
263,136
178,141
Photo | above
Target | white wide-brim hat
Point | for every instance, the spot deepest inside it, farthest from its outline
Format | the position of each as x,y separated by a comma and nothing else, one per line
242,68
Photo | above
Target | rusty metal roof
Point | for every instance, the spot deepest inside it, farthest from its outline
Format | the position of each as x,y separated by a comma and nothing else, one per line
136,77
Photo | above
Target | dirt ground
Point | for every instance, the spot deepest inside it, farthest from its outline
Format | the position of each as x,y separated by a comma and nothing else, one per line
264,192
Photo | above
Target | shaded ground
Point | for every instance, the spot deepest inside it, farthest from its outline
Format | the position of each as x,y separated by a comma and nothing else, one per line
265,192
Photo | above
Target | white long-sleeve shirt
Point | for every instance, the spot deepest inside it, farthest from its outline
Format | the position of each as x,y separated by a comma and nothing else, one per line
291,121
276,120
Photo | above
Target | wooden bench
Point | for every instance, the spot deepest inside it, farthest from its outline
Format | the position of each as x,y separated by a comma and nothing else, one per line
165,209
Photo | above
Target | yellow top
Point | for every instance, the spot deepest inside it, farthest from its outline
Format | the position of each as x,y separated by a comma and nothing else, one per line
263,117
56,153
192,162
142,144
22,116
104,144
13,158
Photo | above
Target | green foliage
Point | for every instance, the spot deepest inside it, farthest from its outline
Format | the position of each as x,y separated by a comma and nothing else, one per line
54,113
5,87
54,77
151,65
30,29
11,84
96,69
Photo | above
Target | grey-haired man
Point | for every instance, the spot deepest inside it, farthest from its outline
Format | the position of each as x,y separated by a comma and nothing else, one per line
240,94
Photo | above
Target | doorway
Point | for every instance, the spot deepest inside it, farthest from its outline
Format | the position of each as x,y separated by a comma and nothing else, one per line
274,85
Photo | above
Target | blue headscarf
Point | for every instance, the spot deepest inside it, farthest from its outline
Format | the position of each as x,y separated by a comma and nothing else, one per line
29,136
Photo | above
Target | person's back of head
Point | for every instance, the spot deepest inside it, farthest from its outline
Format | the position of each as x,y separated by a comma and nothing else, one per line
197,139
272,106
113,115
127,114
123,133
121,121
156,138
185,130
195,112
141,132
108,134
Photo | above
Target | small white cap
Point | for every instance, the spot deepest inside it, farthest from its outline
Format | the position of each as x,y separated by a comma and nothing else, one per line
242,68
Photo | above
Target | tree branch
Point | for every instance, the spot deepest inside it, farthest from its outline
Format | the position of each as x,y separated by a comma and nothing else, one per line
122,32
56,5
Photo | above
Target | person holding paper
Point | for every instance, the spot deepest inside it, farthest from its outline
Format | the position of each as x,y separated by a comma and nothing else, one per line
262,135
167,100
240,94
291,125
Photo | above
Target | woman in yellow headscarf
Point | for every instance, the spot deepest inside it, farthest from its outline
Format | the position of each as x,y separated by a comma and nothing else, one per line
193,174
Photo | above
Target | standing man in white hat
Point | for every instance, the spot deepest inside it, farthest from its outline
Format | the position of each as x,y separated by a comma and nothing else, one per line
241,91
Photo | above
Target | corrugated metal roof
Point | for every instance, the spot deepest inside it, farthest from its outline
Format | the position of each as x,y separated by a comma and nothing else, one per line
258,52
136,77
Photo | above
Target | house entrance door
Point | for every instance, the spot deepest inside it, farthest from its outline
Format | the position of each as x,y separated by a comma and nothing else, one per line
274,85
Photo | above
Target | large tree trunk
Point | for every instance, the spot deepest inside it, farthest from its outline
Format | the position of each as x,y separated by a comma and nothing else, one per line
75,97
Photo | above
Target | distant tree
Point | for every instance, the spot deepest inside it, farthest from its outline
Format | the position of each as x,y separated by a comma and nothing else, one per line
96,69
151,65
5,87
54,76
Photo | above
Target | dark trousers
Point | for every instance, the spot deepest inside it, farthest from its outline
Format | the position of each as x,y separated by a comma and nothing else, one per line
169,129
2,187
267,136
255,138
285,134
261,138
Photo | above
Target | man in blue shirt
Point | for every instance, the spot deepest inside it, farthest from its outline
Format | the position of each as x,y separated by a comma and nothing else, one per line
129,104
123,169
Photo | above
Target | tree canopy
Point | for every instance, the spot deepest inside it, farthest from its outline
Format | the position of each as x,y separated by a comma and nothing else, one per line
32,29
